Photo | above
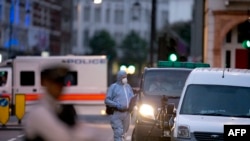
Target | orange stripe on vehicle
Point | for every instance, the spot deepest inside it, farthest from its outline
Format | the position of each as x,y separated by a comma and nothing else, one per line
74,97
83,97
32,97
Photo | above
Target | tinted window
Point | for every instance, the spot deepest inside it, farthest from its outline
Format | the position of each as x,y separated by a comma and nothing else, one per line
216,100
70,79
27,78
172,82
3,78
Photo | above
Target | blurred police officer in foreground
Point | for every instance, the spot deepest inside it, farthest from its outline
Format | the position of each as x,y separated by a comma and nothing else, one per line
50,120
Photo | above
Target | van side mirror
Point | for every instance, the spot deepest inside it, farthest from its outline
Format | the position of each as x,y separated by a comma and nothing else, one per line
171,110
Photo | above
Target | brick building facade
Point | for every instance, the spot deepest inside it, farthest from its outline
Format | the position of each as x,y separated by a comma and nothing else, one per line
222,38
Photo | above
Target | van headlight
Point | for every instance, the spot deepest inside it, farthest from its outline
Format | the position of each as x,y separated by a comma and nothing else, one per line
183,131
147,111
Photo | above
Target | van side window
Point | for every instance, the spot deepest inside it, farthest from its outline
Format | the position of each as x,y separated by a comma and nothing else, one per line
27,78
3,78
70,79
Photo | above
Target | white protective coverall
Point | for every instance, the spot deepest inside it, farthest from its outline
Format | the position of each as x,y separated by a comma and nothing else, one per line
119,96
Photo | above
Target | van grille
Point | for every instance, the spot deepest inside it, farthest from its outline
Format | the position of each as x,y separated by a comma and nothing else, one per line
208,136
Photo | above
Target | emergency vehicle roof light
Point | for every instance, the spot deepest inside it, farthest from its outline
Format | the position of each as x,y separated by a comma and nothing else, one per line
169,64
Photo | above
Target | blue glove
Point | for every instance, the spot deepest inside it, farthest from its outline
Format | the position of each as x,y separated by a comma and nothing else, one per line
119,107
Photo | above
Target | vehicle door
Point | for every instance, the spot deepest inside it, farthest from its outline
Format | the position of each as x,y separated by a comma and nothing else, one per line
26,80
5,82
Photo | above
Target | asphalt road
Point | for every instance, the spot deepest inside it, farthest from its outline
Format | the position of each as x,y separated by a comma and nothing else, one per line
99,124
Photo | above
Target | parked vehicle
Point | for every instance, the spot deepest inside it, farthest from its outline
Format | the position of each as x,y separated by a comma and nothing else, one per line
85,85
156,107
212,98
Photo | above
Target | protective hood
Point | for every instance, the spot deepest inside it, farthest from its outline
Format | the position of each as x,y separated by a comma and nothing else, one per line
119,76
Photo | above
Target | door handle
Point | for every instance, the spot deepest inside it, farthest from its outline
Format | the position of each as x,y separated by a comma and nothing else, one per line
34,90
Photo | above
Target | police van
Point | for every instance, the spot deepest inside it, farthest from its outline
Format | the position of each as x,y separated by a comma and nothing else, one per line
155,108
85,84
212,98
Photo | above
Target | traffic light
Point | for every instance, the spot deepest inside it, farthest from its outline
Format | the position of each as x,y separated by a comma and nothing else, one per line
172,53
167,49
172,57
246,44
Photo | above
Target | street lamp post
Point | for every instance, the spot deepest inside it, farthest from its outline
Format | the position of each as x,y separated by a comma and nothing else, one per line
152,34
136,8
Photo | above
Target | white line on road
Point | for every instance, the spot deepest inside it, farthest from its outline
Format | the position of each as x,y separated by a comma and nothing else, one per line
12,139
19,136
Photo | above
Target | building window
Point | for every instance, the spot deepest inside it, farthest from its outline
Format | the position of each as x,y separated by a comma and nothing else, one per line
1,7
22,16
229,37
86,14
228,59
147,15
74,38
75,12
108,15
17,12
97,14
243,31
27,78
119,16
164,15
86,37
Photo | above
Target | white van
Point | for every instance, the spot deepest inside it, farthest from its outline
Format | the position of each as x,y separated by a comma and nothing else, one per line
212,98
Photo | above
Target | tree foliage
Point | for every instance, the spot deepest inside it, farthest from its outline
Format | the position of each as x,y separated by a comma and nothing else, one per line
134,49
103,44
183,29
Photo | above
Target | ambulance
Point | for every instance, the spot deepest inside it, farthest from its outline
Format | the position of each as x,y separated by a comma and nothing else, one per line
85,84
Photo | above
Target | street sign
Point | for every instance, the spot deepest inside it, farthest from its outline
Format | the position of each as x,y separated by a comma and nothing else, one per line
3,102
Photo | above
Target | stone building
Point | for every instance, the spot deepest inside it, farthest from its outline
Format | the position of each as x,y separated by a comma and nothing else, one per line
226,26
34,26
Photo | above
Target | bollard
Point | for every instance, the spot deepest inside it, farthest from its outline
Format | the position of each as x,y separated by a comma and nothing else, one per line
19,107
4,111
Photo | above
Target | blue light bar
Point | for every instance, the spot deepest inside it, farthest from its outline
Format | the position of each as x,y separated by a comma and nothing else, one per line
169,64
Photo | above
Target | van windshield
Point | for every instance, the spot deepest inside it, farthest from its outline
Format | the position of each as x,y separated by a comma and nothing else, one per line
165,82
216,100
3,78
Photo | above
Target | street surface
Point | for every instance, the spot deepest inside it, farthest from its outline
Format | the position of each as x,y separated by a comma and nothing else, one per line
13,132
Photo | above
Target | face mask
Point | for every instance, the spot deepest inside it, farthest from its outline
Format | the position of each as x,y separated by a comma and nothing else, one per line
124,80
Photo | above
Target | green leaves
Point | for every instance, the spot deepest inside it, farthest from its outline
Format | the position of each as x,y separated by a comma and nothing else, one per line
103,44
134,48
